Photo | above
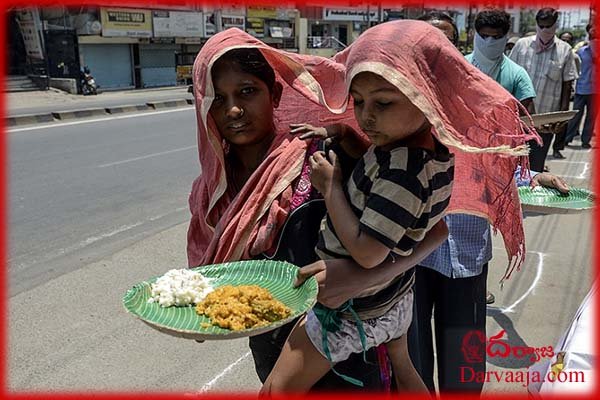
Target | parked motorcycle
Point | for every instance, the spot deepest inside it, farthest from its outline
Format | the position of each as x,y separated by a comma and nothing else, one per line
88,83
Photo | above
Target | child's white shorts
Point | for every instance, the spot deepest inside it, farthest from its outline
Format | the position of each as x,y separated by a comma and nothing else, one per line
346,340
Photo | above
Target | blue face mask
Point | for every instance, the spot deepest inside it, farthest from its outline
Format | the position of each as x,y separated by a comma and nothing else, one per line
490,48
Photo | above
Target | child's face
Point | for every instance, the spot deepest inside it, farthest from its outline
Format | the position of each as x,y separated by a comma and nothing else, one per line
243,106
382,111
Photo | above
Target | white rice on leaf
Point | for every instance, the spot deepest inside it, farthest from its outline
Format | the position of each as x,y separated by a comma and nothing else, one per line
180,287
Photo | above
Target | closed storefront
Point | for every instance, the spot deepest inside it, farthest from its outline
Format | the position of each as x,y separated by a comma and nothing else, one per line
110,64
157,64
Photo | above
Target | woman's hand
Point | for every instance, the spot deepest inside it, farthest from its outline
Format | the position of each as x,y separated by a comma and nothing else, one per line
325,175
342,279
546,179
309,132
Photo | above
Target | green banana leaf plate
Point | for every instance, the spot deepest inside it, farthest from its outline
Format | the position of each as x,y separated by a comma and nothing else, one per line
549,200
276,276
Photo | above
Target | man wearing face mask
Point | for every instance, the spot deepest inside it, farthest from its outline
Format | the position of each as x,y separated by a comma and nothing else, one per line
551,65
584,92
491,36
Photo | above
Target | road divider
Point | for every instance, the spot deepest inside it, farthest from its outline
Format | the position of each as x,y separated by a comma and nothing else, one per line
85,113
68,115
29,119
158,105
128,108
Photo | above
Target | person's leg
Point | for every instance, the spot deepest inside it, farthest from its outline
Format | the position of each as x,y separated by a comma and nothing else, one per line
537,155
405,374
267,347
559,143
460,332
299,366
588,124
420,338
579,104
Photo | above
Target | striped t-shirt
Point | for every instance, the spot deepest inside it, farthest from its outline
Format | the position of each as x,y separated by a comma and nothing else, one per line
398,195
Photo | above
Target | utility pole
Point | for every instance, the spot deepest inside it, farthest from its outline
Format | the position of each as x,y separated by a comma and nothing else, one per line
469,25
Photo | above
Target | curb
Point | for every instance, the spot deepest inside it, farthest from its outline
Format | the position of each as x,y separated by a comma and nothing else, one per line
90,112
29,119
168,104
127,108
32,119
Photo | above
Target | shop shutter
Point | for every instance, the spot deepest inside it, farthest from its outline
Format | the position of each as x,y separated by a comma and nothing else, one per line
109,64
157,63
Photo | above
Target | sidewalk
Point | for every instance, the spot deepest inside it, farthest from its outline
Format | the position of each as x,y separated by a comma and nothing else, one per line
54,101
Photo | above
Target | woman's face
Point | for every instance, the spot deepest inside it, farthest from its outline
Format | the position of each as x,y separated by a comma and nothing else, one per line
382,111
243,105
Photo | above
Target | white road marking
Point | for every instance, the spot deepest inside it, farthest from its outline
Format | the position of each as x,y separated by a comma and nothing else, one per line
87,121
568,162
586,167
573,176
93,239
226,371
146,156
120,229
540,267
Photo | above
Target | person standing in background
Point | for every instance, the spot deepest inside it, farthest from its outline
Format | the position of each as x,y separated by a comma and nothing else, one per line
584,93
567,37
550,63
451,283
510,44
443,22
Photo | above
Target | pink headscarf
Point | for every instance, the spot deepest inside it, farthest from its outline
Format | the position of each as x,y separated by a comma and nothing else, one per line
223,228
471,113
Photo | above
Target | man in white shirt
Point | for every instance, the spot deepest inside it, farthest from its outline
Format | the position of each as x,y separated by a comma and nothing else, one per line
550,63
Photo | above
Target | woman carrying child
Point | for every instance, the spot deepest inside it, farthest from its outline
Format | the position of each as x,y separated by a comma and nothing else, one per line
254,198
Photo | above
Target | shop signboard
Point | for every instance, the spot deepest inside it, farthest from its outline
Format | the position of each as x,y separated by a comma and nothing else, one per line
255,27
209,25
262,12
350,14
128,22
29,25
280,32
233,21
177,24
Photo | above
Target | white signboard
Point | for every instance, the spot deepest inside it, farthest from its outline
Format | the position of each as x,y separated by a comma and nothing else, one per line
233,21
209,25
30,33
279,32
350,14
126,22
177,24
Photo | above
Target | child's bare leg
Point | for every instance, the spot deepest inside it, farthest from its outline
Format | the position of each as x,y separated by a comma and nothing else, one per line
299,366
406,376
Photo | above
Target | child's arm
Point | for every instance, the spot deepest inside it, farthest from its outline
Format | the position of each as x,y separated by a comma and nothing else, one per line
326,178
351,142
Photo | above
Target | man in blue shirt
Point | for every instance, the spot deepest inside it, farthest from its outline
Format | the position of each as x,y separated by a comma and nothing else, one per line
584,93
451,283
